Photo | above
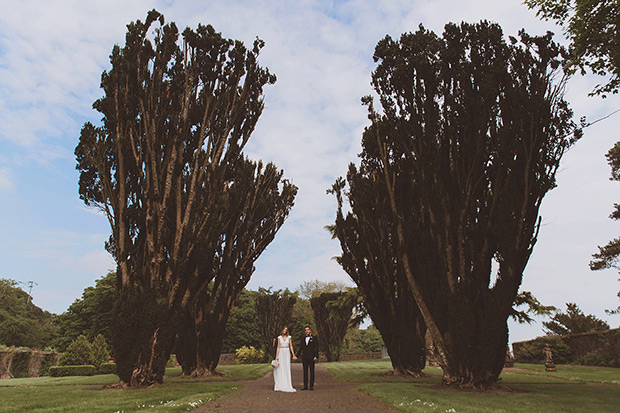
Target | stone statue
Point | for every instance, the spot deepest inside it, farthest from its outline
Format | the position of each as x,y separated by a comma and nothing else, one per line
549,366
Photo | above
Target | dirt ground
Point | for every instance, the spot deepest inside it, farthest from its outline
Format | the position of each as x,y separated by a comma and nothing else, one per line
328,395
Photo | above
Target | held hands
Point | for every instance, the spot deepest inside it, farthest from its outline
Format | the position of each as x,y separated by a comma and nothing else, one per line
294,357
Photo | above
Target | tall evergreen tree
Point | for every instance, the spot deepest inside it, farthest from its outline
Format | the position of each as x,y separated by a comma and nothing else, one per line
333,313
470,137
274,310
176,116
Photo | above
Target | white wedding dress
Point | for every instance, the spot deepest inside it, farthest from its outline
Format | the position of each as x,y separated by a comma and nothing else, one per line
282,373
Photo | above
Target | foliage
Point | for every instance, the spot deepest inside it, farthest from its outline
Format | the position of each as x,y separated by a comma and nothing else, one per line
314,288
362,341
302,316
79,352
533,307
107,368
607,256
533,352
274,311
20,364
242,326
573,321
468,143
49,359
72,370
101,354
592,26
332,315
89,315
21,322
249,355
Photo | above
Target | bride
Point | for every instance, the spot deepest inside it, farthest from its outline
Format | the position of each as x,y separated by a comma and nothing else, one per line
282,373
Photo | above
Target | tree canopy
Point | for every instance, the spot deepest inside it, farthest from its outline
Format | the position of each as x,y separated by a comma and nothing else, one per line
573,321
593,28
23,324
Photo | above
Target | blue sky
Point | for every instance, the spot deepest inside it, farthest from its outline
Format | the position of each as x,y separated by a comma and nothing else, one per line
51,58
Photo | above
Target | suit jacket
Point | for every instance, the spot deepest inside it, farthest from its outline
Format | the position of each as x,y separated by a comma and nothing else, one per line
311,350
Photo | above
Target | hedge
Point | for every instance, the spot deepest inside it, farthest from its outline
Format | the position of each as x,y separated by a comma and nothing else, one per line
62,371
107,368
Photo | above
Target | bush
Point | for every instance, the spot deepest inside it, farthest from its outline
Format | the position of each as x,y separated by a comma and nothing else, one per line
63,371
107,368
20,365
248,355
79,352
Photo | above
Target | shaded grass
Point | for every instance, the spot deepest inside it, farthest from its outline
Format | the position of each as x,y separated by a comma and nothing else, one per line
527,388
81,394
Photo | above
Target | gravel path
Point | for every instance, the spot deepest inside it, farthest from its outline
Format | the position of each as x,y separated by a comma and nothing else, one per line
328,395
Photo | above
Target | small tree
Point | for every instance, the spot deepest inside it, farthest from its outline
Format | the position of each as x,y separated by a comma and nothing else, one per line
101,353
573,321
79,352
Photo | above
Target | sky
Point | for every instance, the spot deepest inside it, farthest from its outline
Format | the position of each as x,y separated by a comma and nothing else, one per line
52,55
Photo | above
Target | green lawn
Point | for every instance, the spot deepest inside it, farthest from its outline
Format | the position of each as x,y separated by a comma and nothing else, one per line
528,388
87,394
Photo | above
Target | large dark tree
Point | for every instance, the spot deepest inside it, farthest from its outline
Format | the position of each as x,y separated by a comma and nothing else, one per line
255,207
241,327
573,321
176,115
369,255
468,143
333,313
274,310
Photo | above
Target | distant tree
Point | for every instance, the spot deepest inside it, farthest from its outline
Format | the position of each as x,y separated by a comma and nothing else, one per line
23,324
593,28
573,321
274,310
302,316
79,352
176,117
242,327
468,143
333,313
89,315
314,288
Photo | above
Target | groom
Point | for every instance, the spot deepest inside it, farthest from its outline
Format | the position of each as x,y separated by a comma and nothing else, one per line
309,355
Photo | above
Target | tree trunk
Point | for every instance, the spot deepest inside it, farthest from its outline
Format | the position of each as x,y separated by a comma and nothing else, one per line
143,332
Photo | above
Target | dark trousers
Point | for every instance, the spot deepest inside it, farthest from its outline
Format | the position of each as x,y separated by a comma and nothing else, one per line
308,365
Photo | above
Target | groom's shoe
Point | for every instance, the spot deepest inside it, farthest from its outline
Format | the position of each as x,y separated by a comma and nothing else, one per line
304,388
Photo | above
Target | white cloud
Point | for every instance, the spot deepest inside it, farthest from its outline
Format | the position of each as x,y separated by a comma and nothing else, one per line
6,179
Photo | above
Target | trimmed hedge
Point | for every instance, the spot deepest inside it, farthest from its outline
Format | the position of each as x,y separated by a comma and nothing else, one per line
107,368
62,371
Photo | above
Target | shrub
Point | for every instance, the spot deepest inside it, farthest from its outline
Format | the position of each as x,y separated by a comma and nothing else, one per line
79,352
107,368
248,355
63,371
100,351
20,365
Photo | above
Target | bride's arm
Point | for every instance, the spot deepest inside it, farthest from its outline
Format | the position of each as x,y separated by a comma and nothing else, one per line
278,349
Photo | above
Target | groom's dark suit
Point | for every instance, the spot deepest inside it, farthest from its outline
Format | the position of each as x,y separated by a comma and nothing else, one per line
309,351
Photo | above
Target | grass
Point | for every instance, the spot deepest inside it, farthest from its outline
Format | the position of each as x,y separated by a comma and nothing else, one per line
528,388
80,394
